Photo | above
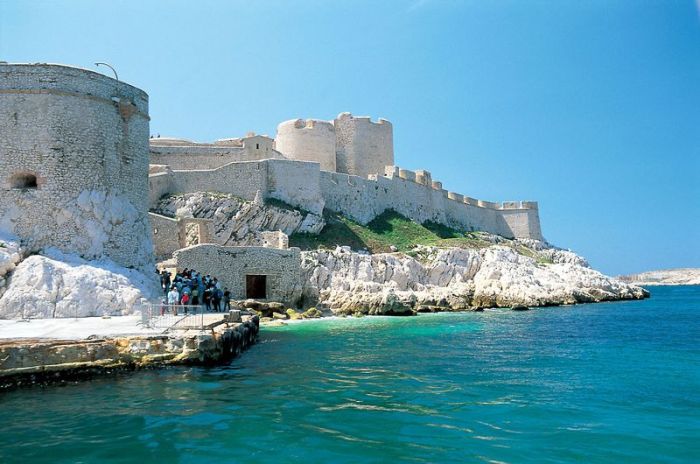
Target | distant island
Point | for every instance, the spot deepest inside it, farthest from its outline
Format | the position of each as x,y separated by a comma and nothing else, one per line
682,276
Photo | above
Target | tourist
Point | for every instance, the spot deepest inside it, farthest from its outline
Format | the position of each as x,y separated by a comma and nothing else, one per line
216,298
173,298
195,294
227,300
173,295
206,298
165,281
193,288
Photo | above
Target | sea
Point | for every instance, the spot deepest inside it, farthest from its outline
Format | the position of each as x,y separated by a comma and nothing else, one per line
596,383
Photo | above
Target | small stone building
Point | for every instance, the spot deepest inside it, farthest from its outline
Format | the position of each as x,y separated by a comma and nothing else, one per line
265,274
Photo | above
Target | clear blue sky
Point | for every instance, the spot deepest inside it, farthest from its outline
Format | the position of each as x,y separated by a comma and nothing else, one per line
590,107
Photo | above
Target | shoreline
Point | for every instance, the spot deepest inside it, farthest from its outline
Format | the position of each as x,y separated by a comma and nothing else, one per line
64,355
495,309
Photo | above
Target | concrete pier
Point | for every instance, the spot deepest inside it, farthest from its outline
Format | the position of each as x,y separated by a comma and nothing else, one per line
41,361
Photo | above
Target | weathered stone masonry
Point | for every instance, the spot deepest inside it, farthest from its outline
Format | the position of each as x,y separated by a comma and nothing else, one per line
74,162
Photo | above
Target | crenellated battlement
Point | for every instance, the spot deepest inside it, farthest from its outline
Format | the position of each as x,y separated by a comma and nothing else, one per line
424,178
344,116
308,124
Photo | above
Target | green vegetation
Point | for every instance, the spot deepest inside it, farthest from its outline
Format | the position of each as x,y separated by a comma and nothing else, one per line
275,203
386,230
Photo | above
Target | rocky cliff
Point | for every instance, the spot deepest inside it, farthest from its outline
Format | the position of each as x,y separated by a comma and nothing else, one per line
237,222
443,279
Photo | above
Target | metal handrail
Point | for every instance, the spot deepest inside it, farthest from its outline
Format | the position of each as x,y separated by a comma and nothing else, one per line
169,317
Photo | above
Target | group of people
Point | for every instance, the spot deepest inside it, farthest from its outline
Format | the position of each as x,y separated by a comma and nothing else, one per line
191,288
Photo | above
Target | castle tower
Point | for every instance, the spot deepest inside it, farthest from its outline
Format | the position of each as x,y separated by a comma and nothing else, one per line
308,140
74,162
363,147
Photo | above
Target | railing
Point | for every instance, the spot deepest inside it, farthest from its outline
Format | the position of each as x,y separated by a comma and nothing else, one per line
167,317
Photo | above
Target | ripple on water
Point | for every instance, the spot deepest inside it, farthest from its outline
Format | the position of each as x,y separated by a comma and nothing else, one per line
593,383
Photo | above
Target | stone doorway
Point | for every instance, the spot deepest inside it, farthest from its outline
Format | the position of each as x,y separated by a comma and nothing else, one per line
256,286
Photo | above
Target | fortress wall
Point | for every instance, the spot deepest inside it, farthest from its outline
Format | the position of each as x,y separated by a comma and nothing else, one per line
239,179
424,177
468,217
308,140
363,147
166,235
211,156
296,183
524,223
159,184
364,199
74,162
231,265
353,196
413,200
194,157
304,185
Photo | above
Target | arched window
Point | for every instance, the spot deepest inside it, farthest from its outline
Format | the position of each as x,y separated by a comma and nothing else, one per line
23,180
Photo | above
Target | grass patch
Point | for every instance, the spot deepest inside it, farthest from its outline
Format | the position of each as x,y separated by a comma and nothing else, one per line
276,203
387,229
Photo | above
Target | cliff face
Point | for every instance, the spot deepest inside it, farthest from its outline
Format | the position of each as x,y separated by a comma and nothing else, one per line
440,279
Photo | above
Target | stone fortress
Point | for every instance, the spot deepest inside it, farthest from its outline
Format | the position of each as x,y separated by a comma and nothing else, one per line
345,165
78,175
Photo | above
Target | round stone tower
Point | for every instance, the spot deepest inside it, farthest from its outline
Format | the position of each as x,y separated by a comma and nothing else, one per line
307,140
74,162
363,147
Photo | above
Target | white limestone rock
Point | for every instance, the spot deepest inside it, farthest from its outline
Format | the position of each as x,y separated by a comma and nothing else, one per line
60,285
10,253
239,222
454,279
106,218
10,256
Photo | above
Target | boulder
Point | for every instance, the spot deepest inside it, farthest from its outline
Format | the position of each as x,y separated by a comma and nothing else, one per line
274,306
293,314
312,313
62,285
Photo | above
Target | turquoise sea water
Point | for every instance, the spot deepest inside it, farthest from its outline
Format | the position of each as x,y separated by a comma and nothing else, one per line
613,382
